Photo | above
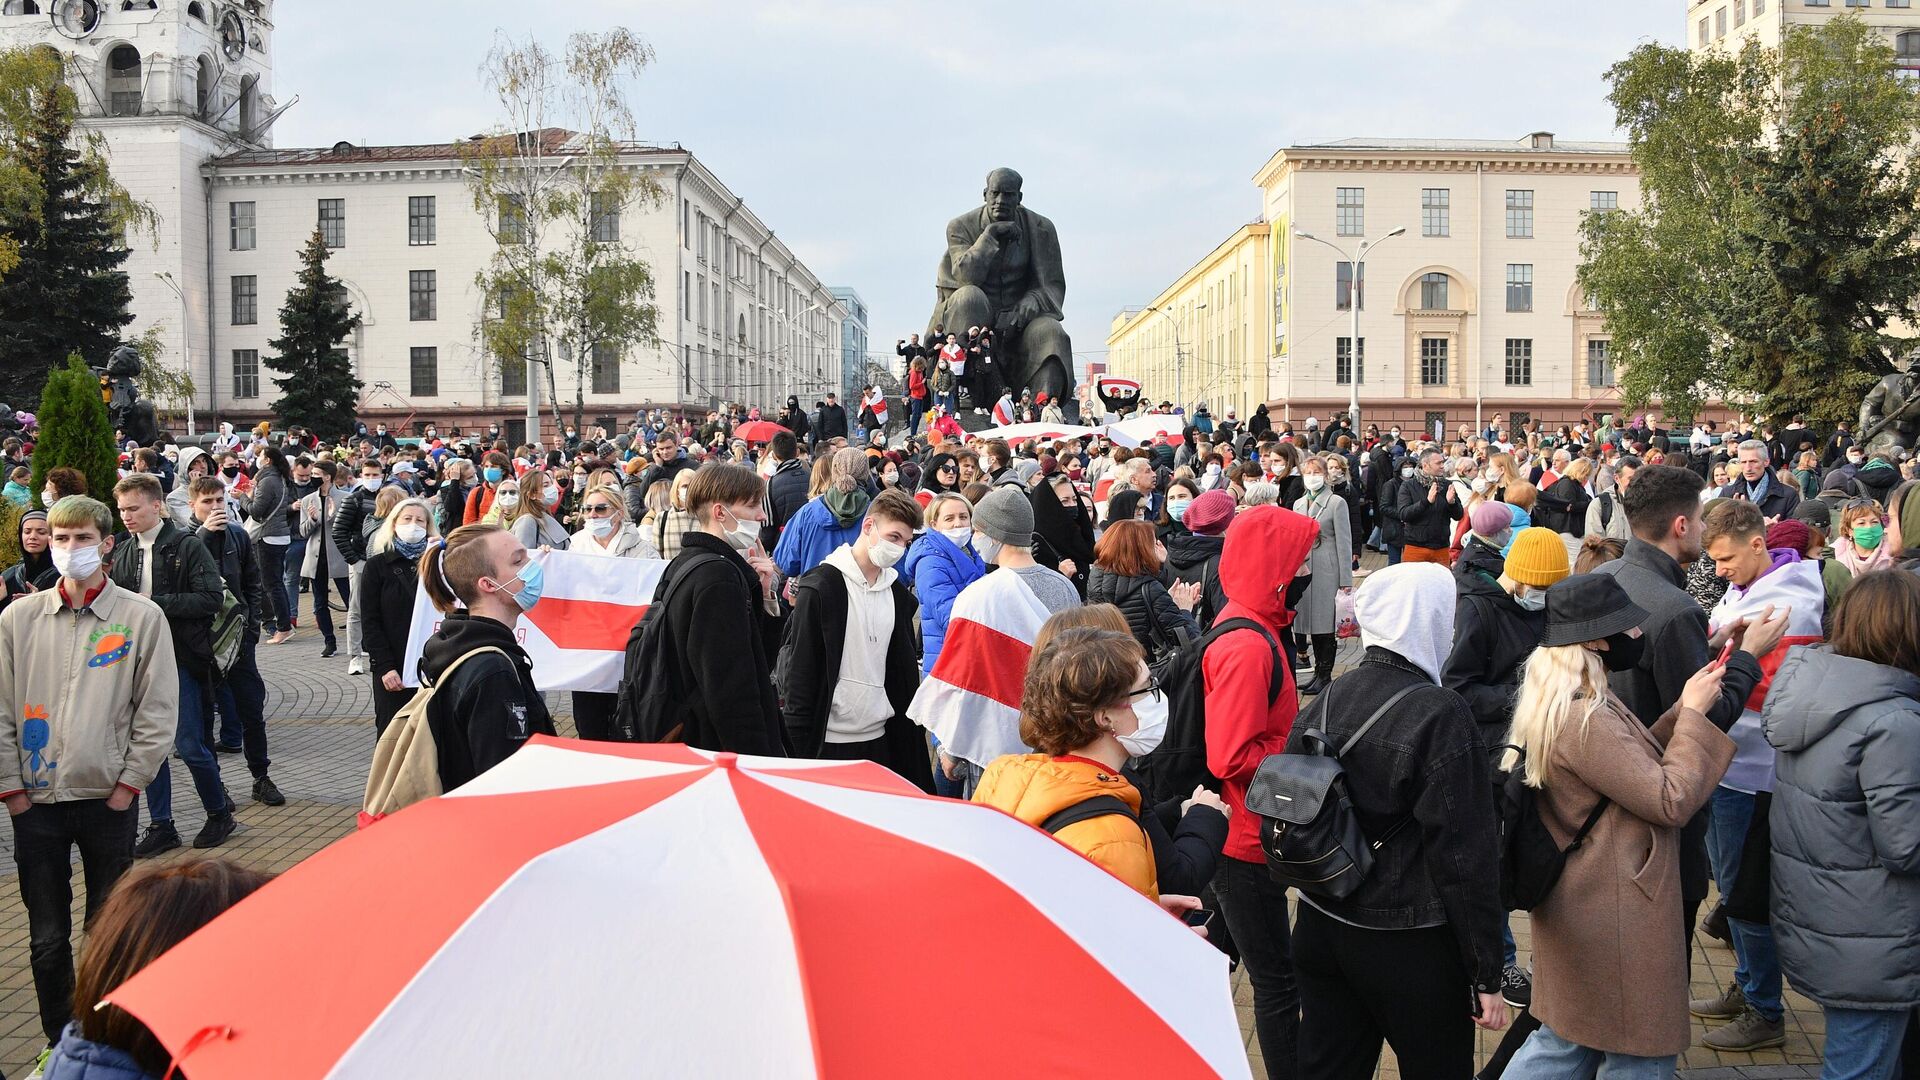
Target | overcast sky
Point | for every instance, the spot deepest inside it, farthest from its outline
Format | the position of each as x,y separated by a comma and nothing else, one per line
857,128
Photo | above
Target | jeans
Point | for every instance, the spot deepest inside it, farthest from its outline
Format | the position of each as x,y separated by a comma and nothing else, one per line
355,647
967,775
1509,950
241,698
190,744
1757,961
916,408
1255,908
1549,1057
43,841
273,567
322,612
1393,554
1863,1044
1360,987
943,787
296,555
951,399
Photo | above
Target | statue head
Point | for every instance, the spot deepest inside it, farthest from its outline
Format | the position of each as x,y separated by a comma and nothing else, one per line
1002,195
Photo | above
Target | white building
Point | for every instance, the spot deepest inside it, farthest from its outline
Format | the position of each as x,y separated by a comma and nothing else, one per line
181,91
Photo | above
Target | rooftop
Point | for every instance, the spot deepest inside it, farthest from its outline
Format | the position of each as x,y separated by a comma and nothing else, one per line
552,141
1532,144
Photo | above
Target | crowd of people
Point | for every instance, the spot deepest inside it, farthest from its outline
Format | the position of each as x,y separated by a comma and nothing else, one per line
1698,688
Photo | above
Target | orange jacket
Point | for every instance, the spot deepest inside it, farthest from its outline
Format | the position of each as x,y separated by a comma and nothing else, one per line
1034,787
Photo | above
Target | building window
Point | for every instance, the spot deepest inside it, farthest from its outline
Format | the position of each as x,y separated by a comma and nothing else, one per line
1434,211
422,296
1519,361
606,368
1816,3
1433,361
423,365
1433,292
333,222
603,218
246,299
1343,289
1860,3
1519,215
20,7
1350,211
1706,32
422,221
246,373
1899,3
700,286
1343,360
513,376
1519,286
1739,12
686,294
513,219
1720,23
1600,362
1603,200
1759,7
1906,55
240,231
123,81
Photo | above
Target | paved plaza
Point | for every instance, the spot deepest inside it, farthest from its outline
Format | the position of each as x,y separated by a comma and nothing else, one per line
321,731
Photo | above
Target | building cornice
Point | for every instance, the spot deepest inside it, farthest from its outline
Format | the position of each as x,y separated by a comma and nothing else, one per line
1386,159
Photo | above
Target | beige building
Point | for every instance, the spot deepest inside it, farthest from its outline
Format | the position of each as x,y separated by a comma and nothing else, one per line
1204,338
1730,23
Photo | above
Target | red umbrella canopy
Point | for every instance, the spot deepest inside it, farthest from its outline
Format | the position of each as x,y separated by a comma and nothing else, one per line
757,431
596,909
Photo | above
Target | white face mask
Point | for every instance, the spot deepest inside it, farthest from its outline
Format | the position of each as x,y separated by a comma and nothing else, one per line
1151,711
987,546
884,553
744,534
507,499
76,564
370,483
1315,481
49,497
600,526
961,535
410,534
1406,472
1479,485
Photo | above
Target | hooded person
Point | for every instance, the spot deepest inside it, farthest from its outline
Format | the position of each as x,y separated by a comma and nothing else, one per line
1062,533
1246,722
35,570
827,520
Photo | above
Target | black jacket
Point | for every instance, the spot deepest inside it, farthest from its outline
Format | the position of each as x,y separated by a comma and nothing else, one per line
232,552
1197,558
786,494
1423,763
833,422
490,707
723,643
1157,622
1492,638
388,583
1779,500
349,523
1391,530
1676,641
1422,523
35,571
795,420
1563,507
817,632
186,585
1186,847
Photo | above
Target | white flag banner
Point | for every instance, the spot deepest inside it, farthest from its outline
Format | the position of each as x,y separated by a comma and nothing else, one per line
577,634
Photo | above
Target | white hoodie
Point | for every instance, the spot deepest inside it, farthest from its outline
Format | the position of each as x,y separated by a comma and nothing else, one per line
1407,609
860,708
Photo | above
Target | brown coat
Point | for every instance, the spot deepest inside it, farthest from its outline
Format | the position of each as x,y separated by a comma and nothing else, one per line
1609,952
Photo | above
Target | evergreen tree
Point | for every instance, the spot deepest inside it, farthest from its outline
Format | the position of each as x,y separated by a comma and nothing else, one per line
75,432
316,378
68,293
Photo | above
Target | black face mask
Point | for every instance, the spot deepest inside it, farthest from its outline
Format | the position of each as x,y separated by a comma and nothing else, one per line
231,473
1624,651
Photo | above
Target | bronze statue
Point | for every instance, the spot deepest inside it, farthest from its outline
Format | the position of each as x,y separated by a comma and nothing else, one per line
1890,414
1002,271
131,414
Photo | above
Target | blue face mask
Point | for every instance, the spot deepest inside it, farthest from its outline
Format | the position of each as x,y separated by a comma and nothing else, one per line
532,580
492,474
1177,510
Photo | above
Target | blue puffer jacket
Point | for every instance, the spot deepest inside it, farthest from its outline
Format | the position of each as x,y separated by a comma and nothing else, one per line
77,1059
939,569
812,535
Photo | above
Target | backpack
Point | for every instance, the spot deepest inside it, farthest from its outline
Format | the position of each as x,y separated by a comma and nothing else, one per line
406,761
1606,509
1179,763
1086,810
1530,860
229,631
651,707
1308,829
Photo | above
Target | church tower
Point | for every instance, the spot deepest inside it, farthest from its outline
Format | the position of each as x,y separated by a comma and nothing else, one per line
167,84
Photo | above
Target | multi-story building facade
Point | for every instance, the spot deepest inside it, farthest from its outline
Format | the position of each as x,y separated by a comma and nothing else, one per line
181,93
1729,24
853,342
1204,338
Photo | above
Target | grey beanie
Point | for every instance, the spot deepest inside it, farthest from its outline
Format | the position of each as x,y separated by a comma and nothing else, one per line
1005,514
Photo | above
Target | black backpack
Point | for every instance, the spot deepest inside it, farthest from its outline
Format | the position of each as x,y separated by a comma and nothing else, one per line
1179,763
652,706
1086,810
1308,829
1530,860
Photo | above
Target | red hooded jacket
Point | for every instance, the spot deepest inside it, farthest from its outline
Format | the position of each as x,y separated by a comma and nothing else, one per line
1264,549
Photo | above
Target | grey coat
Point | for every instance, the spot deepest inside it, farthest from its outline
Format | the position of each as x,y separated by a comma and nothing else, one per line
316,520
1330,562
268,504
1846,828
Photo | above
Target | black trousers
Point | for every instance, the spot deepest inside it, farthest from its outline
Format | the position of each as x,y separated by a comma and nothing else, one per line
386,703
1255,909
43,841
1359,987
1324,648
593,714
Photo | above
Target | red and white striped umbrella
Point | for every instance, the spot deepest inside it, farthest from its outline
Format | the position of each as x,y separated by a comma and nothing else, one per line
592,909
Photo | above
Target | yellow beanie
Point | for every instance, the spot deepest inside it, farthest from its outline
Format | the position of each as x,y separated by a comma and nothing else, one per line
1537,558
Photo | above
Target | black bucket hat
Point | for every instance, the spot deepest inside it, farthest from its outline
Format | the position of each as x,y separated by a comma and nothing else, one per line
1588,607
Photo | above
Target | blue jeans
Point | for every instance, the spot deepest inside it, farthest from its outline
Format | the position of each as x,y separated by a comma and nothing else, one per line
190,744
1757,961
241,698
916,408
1547,1056
1509,951
296,554
1863,1044
1393,553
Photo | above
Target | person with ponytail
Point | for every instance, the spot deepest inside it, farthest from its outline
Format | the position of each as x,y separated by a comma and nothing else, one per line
480,578
388,581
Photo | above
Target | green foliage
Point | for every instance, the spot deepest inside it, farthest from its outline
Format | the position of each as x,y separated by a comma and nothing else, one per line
62,226
168,387
1774,245
75,432
10,514
316,380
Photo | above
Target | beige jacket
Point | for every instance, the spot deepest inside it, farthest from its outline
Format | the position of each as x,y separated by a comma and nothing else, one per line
92,696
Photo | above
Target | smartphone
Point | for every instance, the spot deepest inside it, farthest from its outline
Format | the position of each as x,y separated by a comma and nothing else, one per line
1198,917
1725,654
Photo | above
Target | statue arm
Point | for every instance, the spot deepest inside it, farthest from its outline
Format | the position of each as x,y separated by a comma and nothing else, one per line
1872,407
971,256
1048,294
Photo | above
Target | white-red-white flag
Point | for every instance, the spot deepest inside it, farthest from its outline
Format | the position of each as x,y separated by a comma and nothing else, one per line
971,698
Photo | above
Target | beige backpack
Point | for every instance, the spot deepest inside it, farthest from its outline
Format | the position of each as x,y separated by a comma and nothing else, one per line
406,762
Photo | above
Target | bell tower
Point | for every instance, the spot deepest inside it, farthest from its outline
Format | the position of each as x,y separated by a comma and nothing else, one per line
167,84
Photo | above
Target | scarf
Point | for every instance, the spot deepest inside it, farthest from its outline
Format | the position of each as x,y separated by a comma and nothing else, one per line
411,551
846,506
1858,562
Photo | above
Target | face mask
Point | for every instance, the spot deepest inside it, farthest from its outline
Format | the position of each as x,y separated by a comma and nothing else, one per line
1867,537
1315,482
492,474
1856,458
411,534
744,534
532,578
1532,601
579,480
885,553
49,497
1623,652
987,546
1152,713
961,535
1178,510
1395,433
230,472
600,526
506,499
1500,540
1213,469
1492,475
1406,472
1337,478
370,483
890,479
76,564
553,495
1479,485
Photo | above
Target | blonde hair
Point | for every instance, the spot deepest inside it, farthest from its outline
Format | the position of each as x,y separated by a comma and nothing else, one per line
382,538
1579,470
1556,679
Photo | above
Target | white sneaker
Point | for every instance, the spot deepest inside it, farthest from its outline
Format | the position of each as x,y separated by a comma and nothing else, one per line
357,666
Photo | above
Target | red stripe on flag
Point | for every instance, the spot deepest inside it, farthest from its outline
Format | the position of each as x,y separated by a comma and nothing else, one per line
1770,663
981,660
594,625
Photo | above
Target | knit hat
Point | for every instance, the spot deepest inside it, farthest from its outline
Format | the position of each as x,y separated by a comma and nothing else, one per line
1489,518
1005,514
1537,558
1210,513
1790,533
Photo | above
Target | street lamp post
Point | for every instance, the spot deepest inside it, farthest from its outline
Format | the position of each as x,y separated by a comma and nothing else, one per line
186,342
1357,261
1179,357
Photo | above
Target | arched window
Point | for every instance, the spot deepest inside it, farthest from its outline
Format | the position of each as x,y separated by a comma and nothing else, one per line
743,330
20,7
1433,292
1906,55
139,5
249,105
194,9
205,88
123,81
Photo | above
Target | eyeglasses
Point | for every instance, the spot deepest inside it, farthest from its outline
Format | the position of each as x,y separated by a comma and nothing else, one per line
598,509
1151,691
949,468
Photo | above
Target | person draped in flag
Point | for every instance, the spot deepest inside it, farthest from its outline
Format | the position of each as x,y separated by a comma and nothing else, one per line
1003,412
1760,583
